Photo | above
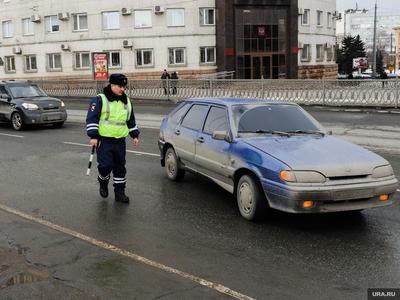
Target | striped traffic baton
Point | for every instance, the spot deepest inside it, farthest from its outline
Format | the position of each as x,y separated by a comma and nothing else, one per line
90,160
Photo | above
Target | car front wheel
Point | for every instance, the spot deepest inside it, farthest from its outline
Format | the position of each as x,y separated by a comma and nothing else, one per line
250,198
17,121
172,169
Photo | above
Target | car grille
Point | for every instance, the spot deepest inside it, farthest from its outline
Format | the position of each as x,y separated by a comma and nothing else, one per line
333,178
50,108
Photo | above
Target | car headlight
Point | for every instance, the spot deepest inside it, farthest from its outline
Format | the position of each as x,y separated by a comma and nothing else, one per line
62,104
302,176
30,106
382,171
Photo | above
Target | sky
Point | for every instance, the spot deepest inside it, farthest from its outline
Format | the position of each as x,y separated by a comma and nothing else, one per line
384,5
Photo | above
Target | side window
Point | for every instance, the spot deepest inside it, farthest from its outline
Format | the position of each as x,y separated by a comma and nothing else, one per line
177,116
3,90
216,120
194,118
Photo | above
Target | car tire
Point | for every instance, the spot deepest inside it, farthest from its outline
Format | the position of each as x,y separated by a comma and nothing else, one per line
250,198
58,124
17,121
172,166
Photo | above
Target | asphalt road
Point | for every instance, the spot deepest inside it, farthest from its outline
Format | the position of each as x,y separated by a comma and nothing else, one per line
193,227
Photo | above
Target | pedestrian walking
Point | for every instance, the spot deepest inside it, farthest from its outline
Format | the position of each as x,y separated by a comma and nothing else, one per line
384,77
174,82
110,119
164,78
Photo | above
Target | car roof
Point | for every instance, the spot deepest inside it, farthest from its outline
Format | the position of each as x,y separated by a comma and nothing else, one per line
235,101
12,81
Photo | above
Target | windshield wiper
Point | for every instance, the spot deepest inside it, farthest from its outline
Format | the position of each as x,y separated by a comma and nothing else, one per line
283,133
307,132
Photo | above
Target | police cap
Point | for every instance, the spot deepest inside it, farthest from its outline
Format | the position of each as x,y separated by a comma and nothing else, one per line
119,79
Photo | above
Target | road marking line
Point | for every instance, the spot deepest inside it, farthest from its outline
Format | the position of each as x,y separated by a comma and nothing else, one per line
130,151
12,135
214,286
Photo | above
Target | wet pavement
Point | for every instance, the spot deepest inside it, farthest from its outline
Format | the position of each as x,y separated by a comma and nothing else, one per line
193,226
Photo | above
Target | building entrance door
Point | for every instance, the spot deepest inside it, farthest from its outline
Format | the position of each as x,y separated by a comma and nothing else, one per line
261,67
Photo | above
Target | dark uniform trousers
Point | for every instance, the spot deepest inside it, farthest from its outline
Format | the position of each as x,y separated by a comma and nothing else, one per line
111,158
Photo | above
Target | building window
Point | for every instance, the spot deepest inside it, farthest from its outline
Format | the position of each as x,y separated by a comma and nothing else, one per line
110,20
207,55
320,52
175,17
7,29
27,26
319,18
54,61
52,24
329,54
305,18
176,56
82,60
144,57
306,53
80,22
207,16
30,63
10,64
143,18
114,59
329,20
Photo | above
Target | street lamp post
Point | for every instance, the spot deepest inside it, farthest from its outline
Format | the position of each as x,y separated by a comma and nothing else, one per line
374,44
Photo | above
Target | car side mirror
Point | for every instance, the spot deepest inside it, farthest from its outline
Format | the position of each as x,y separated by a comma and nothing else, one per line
5,96
221,135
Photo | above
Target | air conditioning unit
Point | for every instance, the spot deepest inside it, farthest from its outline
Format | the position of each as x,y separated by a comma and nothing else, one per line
17,50
35,18
65,47
300,11
63,16
126,11
300,46
158,10
127,44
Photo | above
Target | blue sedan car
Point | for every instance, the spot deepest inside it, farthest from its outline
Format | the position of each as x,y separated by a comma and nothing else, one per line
272,154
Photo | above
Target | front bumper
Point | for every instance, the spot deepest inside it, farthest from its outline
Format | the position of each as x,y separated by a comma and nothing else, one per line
32,117
330,198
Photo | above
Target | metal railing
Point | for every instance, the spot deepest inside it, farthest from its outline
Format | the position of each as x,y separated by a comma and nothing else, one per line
383,93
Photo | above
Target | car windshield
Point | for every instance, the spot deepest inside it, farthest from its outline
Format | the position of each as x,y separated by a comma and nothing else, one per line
273,119
26,91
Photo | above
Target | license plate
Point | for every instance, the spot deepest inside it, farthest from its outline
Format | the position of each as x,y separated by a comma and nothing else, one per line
52,117
353,194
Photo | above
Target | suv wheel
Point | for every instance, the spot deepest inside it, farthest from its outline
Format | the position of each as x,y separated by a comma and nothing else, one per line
172,169
17,121
250,198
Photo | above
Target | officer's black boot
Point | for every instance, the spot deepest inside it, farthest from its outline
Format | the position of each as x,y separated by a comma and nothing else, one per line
121,197
103,188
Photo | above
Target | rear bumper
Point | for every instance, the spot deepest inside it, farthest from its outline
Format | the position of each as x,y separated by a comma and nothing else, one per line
39,117
290,198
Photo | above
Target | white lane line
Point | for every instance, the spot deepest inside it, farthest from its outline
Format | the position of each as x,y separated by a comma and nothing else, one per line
12,135
130,151
214,286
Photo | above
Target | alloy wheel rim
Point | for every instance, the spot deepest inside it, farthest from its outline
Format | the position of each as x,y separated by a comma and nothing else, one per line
170,162
17,121
246,197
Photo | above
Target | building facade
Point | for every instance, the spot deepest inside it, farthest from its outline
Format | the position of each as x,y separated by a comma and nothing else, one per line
56,39
397,34
361,22
317,39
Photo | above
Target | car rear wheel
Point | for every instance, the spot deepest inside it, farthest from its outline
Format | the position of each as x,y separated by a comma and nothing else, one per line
17,121
250,198
172,168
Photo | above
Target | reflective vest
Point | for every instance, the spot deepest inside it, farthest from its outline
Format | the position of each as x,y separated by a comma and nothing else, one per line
113,118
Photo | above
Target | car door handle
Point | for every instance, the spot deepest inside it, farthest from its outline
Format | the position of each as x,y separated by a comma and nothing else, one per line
200,139
177,132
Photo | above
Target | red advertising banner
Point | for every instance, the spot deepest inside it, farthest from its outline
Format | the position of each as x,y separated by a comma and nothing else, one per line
100,66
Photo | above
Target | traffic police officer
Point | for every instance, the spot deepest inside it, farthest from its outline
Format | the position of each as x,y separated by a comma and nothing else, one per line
110,119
